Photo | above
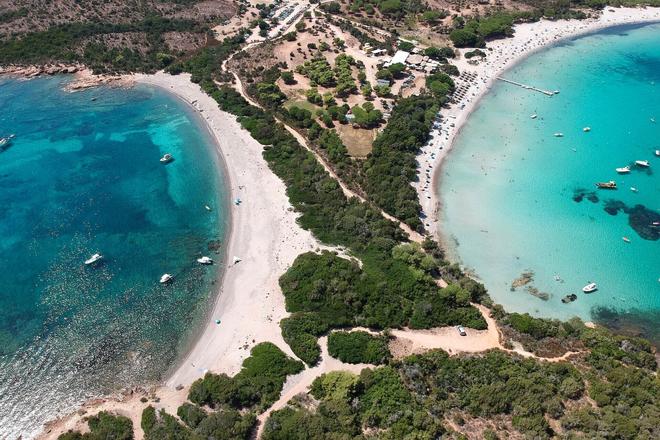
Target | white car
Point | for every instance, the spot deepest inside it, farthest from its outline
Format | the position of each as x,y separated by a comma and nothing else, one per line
461,330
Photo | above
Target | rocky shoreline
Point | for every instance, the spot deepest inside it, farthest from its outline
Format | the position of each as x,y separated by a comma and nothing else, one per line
84,77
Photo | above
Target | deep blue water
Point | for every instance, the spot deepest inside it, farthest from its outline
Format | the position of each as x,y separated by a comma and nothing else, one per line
83,176
516,198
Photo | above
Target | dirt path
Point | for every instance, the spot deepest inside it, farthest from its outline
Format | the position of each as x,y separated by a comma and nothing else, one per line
301,382
409,341
238,86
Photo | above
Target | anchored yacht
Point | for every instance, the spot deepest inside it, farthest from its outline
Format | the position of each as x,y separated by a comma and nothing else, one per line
205,260
93,259
591,287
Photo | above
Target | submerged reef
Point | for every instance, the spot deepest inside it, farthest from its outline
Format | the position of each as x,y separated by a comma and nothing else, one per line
643,220
580,194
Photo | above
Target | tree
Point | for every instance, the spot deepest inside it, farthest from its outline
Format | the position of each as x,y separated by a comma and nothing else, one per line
382,91
288,77
366,90
466,38
439,53
432,16
366,116
406,46
397,69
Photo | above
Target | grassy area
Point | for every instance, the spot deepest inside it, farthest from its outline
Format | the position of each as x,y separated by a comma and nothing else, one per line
357,140
301,103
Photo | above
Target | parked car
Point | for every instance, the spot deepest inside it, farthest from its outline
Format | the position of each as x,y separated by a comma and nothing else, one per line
461,330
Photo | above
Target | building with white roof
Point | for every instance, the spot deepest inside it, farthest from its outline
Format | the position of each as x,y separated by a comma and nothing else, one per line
399,57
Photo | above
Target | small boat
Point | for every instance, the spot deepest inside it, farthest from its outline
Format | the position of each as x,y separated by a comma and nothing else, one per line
657,153
569,298
655,224
558,135
534,116
93,259
205,260
606,185
166,278
207,207
623,170
6,141
653,120
167,158
591,287
642,163
633,189
626,239
237,201
586,129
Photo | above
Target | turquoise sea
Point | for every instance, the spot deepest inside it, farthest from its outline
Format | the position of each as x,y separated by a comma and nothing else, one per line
516,198
83,176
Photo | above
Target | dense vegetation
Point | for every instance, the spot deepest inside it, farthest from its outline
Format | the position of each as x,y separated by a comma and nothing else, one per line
204,65
413,398
551,337
325,291
392,166
103,426
256,386
223,424
358,347
73,43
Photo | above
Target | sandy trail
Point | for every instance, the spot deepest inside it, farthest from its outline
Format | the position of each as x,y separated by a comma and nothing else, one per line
301,382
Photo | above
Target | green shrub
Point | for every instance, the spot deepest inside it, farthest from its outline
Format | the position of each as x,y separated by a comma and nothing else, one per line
358,347
258,384
103,426
192,415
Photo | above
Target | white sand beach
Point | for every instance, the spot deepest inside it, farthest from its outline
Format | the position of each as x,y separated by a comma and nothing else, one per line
501,55
249,304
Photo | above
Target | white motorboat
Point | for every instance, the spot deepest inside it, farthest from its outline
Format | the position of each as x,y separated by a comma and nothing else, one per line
6,141
207,207
534,116
558,135
166,278
93,259
586,129
205,260
623,170
633,189
591,287
642,163
657,153
167,158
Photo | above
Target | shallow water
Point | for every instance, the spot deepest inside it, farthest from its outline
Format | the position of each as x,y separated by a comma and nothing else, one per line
517,198
83,176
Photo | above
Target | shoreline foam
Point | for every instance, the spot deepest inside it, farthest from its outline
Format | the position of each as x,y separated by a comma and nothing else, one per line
502,55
